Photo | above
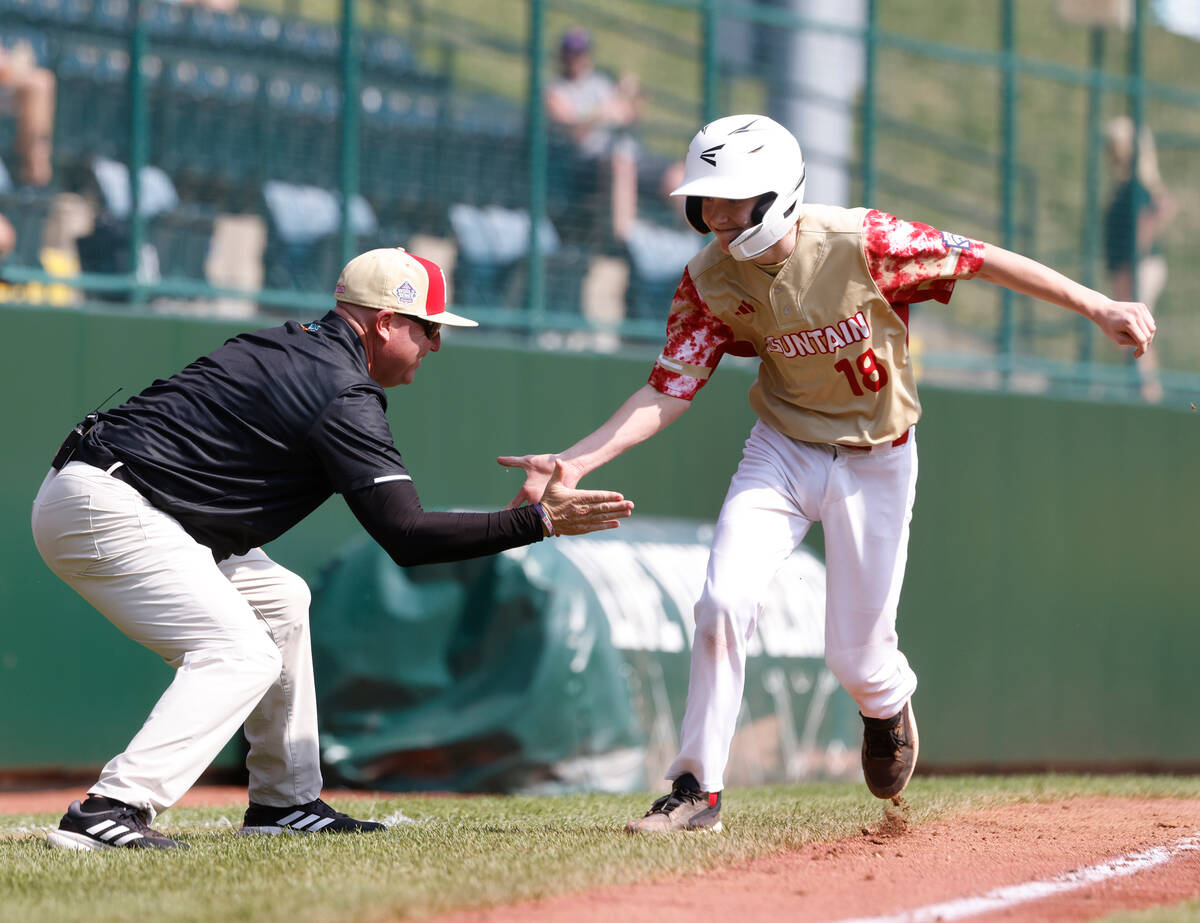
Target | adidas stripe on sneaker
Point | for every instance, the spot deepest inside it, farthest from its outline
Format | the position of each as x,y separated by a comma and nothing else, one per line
313,817
107,825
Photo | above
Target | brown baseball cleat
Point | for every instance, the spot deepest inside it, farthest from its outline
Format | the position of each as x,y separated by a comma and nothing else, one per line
889,752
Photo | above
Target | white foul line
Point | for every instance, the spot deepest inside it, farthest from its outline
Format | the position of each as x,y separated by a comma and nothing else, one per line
1002,898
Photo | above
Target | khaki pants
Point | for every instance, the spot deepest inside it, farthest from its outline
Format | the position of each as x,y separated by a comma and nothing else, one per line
236,633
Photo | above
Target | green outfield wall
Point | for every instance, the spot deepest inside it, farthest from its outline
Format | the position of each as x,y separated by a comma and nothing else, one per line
1050,608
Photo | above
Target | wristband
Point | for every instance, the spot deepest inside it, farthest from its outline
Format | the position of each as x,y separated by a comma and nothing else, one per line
545,517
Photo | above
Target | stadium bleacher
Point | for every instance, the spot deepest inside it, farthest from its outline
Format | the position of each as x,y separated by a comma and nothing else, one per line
244,103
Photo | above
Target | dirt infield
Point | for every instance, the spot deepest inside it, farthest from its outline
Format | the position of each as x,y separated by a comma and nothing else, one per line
894,870
890,872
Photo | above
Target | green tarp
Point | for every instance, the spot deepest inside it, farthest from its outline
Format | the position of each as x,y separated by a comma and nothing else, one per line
560,666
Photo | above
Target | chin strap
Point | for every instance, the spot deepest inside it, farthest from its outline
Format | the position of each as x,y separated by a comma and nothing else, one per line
775,219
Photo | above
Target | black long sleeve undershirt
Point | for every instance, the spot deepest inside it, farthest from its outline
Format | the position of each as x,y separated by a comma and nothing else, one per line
392,515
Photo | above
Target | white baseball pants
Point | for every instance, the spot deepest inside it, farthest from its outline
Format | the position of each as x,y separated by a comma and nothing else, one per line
782,486
236,633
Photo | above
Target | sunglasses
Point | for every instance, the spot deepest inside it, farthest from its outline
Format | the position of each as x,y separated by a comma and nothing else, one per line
431,328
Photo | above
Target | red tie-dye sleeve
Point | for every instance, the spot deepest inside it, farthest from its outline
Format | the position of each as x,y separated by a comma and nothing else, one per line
696,340
913,262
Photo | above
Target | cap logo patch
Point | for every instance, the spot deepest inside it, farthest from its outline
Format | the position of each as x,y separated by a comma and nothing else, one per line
340,290
405,293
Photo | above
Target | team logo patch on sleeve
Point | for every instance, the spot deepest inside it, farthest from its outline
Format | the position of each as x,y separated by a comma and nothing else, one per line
957,241
405,294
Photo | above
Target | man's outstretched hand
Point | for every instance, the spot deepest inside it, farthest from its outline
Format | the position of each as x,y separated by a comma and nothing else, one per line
572,511
538,469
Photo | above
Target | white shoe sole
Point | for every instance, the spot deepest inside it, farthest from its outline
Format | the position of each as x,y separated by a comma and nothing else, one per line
267,831
66,839
916,748
650,831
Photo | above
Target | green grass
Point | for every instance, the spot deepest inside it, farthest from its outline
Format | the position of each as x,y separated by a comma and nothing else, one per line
450,853
1187,912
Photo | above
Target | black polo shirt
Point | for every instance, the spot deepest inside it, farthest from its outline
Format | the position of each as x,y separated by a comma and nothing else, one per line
244,443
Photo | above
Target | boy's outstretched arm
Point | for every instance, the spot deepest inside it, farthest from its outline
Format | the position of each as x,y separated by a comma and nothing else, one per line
1126,323
646,412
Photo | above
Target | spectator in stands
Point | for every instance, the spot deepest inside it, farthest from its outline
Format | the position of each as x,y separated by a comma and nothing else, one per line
27,92
1140,207
597,114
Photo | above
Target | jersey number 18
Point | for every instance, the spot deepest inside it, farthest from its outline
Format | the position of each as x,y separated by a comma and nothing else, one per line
874,375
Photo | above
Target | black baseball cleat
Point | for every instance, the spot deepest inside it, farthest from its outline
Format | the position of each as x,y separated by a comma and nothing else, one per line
889,752
684,808
314,817
104,823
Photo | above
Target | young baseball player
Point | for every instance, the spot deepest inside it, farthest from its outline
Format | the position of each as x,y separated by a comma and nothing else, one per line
821,296
155,511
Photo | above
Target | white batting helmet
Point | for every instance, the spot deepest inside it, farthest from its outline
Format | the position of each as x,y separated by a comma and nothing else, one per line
739,157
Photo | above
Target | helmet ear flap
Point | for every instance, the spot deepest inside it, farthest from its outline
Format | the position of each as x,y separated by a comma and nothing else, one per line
765,201
691,209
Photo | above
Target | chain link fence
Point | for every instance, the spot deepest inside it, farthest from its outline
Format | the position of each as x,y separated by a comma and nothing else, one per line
1001,120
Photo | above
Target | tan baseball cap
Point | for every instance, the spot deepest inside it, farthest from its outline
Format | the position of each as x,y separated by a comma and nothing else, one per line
393,279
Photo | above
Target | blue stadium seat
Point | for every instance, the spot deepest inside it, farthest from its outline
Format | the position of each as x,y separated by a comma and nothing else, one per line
190,127
311,40
67,12
303,239
164,21
388,53
301,123
486,113
657,256
234,150
114,16
399,130
490,267
178,233
209,26
156,191
238,31
92,100
48,12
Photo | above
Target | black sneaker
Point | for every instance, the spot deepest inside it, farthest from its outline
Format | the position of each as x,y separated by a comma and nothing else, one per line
107,824
889,752
314,817
685,808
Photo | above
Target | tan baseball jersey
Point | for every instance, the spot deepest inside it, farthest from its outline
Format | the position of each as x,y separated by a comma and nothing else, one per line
830,325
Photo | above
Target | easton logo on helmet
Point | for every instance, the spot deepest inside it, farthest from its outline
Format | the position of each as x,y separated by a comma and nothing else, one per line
710,155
